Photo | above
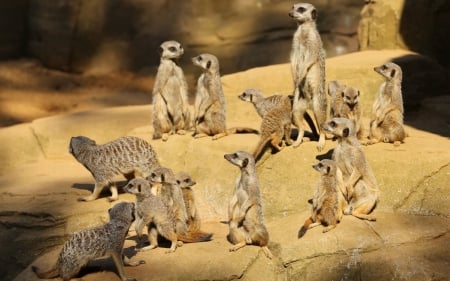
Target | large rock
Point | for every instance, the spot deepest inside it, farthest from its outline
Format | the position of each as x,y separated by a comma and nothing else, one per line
411,218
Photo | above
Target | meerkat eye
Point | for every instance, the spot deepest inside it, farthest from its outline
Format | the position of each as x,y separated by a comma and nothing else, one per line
200,58
235,155
358,93
178,182
153,175
172,49
301,10
383,67
186,180
332,124
320,165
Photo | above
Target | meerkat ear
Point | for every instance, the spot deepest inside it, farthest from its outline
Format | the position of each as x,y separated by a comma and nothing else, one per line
345,132
392,73
139,188
328,170
162,178
342,94
245,163
314,14
251,98
358,93
208,64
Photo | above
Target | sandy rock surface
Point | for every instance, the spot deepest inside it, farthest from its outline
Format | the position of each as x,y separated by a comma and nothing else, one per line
40,183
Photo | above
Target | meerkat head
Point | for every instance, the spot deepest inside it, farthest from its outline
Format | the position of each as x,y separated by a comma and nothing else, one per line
389,71
241,159
137,186
340,127
161,175
122,210
335,87
350,95
80,142
251,95
171,50
207,62
325,167
303,12
184,180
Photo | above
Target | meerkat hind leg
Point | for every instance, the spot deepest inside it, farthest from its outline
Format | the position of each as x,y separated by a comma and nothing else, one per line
219,135
97,190
328,228
238,246
114,194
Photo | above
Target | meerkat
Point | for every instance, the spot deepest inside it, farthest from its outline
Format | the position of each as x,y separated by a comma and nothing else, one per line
129,156
360,185
93,243
246,219
328,201
153,211
170,94
386,123
210,106
263,104
275,126
308,71
344,102
193,218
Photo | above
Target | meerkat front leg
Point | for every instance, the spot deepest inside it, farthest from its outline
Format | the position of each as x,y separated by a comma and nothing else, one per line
114,194
117,258
97,190
298,111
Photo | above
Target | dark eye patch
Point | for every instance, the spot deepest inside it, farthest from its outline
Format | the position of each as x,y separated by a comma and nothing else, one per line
172,49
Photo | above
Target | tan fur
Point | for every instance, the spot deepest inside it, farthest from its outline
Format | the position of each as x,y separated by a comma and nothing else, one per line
328,202
170,94
386,123
344,102
193,218
275,126
93,243
246,219
210,107
308,71
360,186
128,156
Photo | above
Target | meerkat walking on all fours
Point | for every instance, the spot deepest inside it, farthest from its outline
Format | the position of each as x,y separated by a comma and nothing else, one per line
128,156
308,71
360,186
93,243
328,201
344,102
263,104
386,123
210,107
246,219
170,94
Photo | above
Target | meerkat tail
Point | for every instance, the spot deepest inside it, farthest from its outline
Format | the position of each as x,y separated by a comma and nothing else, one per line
304,228
193,237
267,252
49,274
242,130
311,125
262,143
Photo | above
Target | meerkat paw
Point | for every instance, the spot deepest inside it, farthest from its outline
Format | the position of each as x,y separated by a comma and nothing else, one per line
397,143
112,198
237,246
86,199
165,137
181,132
321,143
151,247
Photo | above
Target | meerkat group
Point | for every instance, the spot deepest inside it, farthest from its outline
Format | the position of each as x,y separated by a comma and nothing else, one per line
165,201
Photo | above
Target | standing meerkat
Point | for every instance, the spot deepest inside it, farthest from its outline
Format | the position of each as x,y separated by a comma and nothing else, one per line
93,243
308,71
263,104
360,186
170,94
344,102
210,107
275,126
245,213
193,218
386,123
129,156
328,202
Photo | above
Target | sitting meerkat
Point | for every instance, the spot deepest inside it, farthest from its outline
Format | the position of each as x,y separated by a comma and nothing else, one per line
344,102
386,123
360,185
93,243
171,112
328,202
246,219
